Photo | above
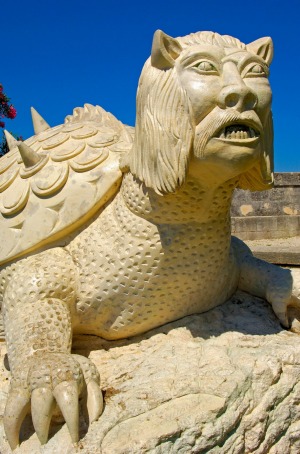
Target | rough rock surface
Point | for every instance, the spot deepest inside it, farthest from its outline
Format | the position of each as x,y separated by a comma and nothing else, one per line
226,381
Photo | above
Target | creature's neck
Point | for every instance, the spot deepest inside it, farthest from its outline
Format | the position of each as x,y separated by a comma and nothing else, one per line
190,203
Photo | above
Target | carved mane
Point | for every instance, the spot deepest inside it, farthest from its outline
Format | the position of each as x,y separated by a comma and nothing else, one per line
165,129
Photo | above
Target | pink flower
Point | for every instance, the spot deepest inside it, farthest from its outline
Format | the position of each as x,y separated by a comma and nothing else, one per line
11,113
2,124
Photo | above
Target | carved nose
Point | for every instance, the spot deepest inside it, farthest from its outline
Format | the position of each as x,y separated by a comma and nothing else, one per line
240,97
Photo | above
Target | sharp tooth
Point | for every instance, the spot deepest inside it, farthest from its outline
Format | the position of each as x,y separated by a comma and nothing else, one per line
222,135
239,135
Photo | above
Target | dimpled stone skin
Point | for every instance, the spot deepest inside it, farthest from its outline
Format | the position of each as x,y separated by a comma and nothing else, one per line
147,267
31,280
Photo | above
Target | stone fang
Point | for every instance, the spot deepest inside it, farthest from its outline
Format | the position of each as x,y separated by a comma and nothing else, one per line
39,124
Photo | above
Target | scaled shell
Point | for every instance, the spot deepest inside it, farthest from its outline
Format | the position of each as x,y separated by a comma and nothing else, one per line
78,174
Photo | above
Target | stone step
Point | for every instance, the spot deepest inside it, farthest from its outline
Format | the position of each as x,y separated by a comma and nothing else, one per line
283,251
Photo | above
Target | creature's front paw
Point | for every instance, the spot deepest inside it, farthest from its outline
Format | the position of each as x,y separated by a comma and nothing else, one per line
285,300
50,379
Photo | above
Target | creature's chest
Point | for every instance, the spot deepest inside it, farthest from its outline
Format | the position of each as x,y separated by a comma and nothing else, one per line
134,275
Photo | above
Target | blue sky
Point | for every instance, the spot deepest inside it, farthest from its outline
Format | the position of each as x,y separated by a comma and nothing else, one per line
59,55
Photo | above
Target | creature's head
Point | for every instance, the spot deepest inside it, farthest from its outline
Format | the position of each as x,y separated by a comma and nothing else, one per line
204,107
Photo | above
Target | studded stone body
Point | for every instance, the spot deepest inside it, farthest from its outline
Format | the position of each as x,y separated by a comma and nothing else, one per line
143,261
159,261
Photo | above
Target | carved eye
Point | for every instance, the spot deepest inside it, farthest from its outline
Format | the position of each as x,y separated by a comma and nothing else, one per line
256,71
206,67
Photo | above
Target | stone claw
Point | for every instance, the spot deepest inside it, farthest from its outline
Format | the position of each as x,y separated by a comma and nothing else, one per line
280,309
294,314
56,378
94,395
42,406
17,407
94,401
66,395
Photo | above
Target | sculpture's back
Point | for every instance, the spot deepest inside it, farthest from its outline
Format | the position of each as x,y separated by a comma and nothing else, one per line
53,183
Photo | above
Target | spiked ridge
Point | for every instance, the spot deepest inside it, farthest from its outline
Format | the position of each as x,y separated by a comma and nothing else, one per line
29,156
39,124
11,141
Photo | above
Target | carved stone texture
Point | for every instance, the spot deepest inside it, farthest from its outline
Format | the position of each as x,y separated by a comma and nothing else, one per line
227,381
80,256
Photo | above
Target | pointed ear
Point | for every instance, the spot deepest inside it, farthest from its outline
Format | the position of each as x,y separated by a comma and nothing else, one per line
262,47
165,50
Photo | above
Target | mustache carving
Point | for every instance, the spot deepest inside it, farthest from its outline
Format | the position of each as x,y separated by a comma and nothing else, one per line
218,119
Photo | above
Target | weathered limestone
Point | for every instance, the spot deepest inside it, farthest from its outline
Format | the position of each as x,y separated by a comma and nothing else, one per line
227,381
270,214
112,232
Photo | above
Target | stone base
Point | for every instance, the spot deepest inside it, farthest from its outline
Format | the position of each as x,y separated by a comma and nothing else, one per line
226,381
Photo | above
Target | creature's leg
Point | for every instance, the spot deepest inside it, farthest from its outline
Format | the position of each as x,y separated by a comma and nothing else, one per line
38,302
271,282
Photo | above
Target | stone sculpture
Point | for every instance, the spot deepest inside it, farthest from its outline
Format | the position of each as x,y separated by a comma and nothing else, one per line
113,232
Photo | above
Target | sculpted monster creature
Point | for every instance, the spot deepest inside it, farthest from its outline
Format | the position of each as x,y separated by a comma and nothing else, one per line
112,235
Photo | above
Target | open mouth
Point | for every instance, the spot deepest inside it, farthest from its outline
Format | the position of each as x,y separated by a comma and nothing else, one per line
238,132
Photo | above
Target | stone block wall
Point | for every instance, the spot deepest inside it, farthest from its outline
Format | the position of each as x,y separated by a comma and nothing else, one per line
268,214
